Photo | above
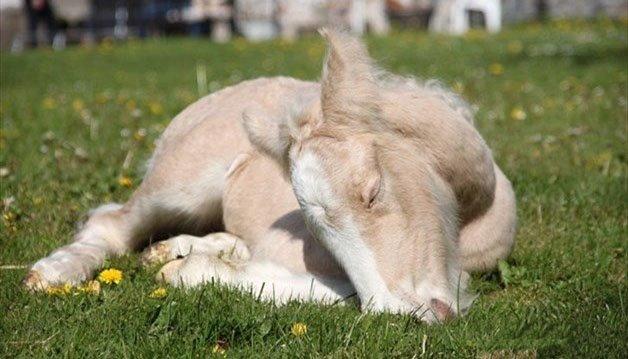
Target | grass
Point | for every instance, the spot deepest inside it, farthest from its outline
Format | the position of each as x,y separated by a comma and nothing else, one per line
552,104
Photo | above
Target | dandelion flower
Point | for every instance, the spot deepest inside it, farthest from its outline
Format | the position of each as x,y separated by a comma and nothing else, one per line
518,114
49,103
218,349
110,275
130,105
515,47
602,159
59,290
458,87
106,45
298,329
139,135
125,181
91,287
496,69
158,293
155,108
315,51
78,105
102,98
9,217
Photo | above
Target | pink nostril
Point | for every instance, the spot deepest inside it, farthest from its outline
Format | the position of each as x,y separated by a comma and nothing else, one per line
441,310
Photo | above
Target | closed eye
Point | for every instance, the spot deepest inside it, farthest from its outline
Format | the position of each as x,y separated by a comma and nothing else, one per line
315,209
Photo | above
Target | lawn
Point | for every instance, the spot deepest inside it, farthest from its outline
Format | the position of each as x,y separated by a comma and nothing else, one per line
78,125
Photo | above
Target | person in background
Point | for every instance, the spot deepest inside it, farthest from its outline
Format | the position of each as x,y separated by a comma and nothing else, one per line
40,11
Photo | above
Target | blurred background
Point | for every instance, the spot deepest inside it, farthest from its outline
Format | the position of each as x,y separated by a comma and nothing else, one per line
59,23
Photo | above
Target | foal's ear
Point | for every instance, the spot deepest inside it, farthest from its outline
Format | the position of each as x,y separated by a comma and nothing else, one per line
369,179
349,91
267,134
370,189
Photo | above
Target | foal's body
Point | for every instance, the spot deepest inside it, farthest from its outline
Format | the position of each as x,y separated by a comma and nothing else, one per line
186,189
205,177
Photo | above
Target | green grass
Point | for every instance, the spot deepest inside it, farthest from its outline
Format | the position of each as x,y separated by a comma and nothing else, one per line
563,292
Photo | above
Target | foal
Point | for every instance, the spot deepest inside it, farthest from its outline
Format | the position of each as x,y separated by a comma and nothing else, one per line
367,183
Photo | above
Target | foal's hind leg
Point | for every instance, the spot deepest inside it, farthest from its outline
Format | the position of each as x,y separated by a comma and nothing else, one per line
174,203
109,231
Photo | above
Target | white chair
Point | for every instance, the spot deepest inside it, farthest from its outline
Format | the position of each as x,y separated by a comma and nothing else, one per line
452,16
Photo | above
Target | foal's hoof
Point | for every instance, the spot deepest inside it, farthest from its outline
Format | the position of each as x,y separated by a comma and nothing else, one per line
155,254
34,281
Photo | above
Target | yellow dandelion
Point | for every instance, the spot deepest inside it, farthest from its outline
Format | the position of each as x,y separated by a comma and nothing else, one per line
91,287
125,181
496,69
218,349
518,114
52,290
102,98
139,135
9,217
458,87
515,47
155,108
298,329
59,290
106,44
110,275
67,287
49,103
158,293
131,105
78,105
602,159
315,51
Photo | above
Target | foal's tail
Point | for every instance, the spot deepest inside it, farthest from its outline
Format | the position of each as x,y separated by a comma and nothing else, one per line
491,237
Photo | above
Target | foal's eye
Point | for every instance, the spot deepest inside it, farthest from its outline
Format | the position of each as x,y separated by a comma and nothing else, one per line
320,207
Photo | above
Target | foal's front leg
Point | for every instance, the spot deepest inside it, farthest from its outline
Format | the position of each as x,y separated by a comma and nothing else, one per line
217,256
214,244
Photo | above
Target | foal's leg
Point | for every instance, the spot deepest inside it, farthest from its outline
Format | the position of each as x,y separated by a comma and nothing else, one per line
214,244
213,257
265,280
178,202
110,230
225,258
